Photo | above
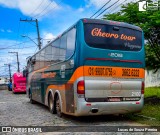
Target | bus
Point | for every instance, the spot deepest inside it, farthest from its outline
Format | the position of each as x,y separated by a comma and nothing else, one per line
96,67
18,83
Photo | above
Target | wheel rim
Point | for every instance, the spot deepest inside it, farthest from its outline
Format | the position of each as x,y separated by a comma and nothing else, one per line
58,107
30,96
50,102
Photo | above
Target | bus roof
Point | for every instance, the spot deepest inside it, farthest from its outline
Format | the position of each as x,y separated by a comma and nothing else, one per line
94,21
17,74
110,22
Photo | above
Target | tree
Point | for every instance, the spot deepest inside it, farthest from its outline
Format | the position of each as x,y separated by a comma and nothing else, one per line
149,21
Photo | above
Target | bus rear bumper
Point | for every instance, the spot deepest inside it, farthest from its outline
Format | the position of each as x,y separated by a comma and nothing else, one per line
103,108
19,90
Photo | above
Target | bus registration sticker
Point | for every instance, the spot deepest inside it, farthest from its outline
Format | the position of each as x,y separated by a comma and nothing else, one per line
130,72
116,99
117,72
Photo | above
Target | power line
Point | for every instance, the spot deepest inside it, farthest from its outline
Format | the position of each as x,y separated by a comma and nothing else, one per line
106,9
25,31
8,47
3,72
27,54
21,43
9,66
17,48
50,9
18,31
118,6
43,9
35,50
100,8
32,24
17,60
4,75
37,7
37,28
111,11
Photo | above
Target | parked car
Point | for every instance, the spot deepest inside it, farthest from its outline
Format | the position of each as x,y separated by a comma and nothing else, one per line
10,86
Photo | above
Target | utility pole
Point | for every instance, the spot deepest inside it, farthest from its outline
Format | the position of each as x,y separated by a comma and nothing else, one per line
17,60
39,39
38,34
9,65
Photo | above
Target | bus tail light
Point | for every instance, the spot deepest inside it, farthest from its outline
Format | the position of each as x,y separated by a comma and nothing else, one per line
80,87
142,88
84,20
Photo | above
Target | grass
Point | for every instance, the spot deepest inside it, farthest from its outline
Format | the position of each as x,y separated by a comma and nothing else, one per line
151,108
152,91
151,111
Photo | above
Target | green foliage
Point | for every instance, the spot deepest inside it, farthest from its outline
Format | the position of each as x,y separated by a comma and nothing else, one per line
152,62
151,109
149,21
152,91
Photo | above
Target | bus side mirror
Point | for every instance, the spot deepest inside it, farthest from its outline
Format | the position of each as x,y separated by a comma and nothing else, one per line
25,72
33,61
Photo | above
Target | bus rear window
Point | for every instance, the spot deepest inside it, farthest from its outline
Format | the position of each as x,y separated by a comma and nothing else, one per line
112,37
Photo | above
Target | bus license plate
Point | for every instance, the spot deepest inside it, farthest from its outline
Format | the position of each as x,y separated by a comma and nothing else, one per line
127,72
114,99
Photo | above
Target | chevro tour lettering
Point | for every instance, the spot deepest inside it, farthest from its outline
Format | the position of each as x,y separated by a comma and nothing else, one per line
99,33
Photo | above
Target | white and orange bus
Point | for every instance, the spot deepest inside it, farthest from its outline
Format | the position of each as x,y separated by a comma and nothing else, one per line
96,67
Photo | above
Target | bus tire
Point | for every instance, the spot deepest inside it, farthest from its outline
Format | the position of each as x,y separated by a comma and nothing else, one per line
30,99
51,104
58,107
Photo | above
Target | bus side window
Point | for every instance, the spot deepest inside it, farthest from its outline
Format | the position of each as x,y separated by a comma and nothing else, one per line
41,58
47,56
63,46
55,51
30,65
36,65
71,38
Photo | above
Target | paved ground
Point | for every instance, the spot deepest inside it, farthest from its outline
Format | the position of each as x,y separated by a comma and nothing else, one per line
15,110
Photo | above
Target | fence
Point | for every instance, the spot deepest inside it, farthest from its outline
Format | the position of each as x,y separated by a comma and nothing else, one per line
3,87
152,79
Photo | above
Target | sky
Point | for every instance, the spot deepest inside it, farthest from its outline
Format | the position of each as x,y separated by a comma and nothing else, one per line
54,17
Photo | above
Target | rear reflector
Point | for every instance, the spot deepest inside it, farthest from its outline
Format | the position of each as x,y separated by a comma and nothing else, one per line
142,88
84,20
88,104
80,87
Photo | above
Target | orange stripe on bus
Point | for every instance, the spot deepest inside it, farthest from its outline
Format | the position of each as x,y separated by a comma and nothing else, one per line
113,72
43,69
102,71
57,87
77,74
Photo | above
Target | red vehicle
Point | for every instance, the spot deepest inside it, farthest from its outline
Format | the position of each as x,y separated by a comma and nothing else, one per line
18,83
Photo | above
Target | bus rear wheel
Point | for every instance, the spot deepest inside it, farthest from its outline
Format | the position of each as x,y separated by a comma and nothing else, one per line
30,99
58,107
51,104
